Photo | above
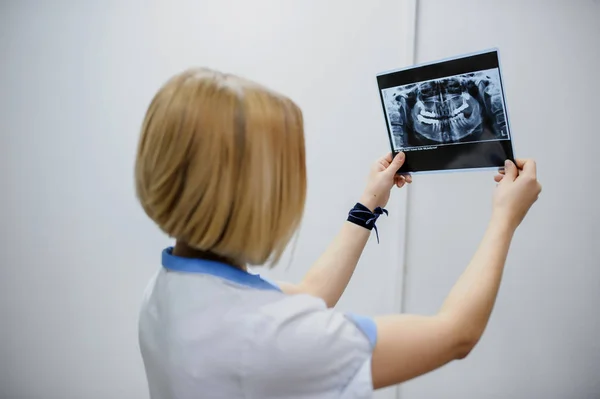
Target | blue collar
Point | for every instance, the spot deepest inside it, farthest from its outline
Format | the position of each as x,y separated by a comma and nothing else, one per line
218,269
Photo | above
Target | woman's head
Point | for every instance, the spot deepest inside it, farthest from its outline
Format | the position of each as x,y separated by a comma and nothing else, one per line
221,166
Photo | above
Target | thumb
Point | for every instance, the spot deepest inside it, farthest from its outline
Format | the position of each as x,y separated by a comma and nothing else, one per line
396,164
510,171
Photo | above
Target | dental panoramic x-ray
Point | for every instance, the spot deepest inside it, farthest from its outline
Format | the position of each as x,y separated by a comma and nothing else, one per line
449,114
446,111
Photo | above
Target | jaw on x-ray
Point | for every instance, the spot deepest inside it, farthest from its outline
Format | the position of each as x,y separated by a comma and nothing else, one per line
456,109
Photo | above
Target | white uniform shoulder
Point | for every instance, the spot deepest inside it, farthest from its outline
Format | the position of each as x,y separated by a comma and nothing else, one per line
299,349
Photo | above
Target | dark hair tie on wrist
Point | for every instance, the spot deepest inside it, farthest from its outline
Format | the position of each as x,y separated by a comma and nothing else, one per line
362,216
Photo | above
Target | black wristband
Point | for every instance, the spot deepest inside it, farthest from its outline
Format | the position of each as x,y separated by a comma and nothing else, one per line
362,216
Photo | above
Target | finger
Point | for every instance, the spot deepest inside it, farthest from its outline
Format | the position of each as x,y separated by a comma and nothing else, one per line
387,158
529,167
383,163
510,171
399,181
408,178
498,178
520,162
396,163
501,171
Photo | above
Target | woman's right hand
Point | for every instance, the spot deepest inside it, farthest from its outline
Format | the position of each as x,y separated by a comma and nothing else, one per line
517,190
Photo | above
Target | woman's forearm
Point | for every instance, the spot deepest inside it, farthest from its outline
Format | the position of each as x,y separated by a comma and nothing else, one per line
330,274
472,298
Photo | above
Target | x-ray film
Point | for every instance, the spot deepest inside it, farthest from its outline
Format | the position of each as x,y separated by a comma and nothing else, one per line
448,115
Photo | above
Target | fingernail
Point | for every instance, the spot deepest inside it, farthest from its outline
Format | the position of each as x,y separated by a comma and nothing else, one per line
401,155
506,163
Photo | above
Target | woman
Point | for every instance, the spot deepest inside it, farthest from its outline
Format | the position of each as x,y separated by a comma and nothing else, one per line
221,168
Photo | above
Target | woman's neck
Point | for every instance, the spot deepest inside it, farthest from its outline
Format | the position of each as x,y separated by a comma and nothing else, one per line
183,250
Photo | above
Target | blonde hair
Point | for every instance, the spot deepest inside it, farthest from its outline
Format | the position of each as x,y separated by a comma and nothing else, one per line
221,166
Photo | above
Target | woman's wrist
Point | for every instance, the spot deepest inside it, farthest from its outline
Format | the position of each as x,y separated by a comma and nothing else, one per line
502,224
365,216
370,201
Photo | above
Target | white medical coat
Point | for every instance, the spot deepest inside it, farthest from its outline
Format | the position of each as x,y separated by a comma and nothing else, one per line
209,330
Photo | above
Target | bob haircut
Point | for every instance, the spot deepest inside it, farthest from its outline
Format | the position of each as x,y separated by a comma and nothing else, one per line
221,166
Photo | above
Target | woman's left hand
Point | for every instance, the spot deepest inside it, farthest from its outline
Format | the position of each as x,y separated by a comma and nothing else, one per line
381,180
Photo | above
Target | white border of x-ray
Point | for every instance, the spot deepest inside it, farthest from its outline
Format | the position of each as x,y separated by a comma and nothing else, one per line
415,66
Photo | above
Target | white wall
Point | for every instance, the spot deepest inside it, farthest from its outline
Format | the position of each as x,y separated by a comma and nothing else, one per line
543,338
76,77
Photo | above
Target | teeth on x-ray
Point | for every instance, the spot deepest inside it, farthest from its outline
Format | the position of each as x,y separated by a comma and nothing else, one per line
455,109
